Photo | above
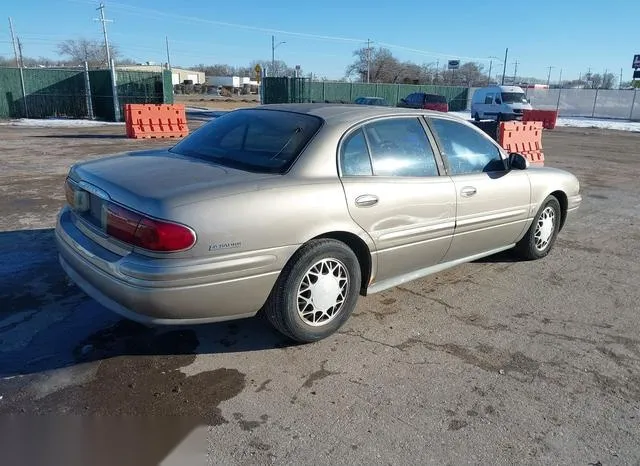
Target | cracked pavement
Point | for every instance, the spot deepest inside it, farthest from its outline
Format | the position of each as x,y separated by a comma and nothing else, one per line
491,362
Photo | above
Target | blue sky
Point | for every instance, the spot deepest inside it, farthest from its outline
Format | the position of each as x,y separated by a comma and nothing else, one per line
321,35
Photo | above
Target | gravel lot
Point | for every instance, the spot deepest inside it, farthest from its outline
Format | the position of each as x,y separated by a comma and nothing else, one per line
491,362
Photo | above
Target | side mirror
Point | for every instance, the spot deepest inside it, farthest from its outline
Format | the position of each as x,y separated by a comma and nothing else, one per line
518,161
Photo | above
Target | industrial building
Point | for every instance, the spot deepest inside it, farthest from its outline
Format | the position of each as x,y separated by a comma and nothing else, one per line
178,75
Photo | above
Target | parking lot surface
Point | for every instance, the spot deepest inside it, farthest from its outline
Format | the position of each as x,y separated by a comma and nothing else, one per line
495,361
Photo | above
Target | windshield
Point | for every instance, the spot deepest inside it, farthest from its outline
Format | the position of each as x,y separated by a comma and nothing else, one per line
514,98
266,141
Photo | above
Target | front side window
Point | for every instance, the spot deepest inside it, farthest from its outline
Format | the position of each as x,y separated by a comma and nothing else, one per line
488,99
466,150
266,141
400,147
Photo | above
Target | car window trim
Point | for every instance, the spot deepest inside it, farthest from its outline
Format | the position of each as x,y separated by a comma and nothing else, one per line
362,124
443,154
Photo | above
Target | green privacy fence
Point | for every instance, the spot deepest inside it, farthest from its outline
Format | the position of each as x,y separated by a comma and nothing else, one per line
347,92
64,92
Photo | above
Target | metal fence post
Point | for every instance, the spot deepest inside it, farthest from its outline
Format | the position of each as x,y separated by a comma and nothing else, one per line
595,99
87,90
633,102
114,92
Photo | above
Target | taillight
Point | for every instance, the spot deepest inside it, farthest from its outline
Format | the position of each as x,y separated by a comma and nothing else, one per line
121,223
151,234
163,236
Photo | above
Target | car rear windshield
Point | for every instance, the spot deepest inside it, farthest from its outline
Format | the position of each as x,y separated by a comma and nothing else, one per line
435,99
514,98
266,141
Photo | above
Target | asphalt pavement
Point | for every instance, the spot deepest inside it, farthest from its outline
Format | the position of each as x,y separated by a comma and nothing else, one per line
492,362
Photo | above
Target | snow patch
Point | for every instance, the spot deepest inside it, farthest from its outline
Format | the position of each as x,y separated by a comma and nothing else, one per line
57,123
582,122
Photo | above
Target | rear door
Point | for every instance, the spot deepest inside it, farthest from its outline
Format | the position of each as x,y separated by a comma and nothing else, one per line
394,191
493,203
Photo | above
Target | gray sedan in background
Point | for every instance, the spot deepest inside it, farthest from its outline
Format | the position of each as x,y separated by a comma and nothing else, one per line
297,210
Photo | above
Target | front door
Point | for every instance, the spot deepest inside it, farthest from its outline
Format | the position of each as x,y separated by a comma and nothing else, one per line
394,191
493,204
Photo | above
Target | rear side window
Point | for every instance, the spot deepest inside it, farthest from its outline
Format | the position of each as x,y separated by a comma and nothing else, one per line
267,141
354,159
400,147
466,150
488,99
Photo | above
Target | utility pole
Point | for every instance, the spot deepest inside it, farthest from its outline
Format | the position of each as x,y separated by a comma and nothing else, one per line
273,55
504,67
20,53
13,40
166,39
435,80
549,74
515,71
104,22
368,61
17,50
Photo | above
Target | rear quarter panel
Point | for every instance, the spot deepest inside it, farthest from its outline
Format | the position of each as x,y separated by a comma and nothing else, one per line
276,218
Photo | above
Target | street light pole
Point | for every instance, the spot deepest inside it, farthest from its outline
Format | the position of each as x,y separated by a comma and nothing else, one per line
274,46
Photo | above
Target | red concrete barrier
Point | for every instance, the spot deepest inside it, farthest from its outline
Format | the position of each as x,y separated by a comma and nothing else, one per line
547,117
523,138
155,121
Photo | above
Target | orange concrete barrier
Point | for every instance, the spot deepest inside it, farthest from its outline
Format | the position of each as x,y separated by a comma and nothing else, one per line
155,121
523,138
547,117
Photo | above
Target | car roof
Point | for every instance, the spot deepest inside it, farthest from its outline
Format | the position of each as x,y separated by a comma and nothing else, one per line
346,114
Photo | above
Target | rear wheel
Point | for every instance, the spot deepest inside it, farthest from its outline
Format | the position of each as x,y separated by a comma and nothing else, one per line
316,291
542,233
476,117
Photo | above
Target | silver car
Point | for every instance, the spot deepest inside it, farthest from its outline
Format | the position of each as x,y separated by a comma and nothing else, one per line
296,210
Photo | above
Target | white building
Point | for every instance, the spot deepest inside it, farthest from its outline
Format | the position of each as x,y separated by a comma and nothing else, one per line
178,75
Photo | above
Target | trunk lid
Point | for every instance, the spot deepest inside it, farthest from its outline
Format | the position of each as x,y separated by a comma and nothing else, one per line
153,181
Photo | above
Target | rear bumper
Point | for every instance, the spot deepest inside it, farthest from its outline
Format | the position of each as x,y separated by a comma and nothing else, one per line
180,295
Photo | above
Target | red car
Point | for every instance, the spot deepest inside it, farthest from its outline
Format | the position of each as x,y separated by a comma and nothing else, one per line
425,101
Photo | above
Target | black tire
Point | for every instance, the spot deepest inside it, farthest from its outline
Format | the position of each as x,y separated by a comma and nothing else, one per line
476,117
531,246
499,118
281,308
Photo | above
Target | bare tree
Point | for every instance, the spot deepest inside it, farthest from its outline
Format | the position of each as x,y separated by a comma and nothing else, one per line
91,51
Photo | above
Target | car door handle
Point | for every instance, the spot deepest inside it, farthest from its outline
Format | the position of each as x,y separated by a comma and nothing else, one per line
468,191
366,200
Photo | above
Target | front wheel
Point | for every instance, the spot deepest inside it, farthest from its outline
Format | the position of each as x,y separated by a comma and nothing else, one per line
476,117
542,233
316,291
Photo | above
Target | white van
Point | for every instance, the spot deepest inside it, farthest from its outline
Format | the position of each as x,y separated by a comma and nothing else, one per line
499,102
